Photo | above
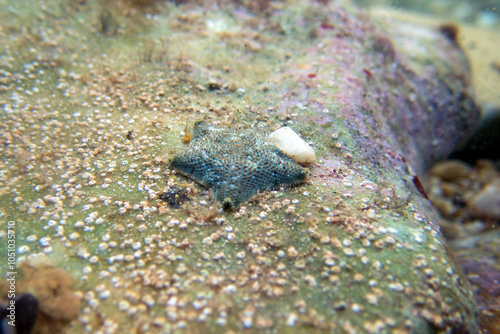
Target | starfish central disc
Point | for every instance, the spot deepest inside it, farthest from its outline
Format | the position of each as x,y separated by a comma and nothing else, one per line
236,164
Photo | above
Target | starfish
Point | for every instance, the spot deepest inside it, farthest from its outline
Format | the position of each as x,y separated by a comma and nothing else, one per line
236,165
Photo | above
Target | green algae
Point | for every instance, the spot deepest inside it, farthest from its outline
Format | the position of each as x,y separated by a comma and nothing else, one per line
286,258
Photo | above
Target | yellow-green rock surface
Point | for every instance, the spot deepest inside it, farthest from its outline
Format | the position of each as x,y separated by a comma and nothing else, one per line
97,97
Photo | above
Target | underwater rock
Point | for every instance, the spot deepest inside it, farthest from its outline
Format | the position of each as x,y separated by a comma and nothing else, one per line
450,170
486,203
354,249
467,196
478,256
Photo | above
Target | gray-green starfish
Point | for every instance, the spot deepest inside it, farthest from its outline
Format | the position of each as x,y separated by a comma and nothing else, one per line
236,165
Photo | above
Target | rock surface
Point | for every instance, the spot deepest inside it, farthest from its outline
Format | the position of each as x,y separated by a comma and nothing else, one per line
478,256
478,44
97,99
467,197
486,204
450,170
468,205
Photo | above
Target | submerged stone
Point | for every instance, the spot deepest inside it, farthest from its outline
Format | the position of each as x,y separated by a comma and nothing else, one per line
354,249
292,145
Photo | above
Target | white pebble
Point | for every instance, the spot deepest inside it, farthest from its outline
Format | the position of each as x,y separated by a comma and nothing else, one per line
291,320
123,305
45,241
292,145
31,238
105,294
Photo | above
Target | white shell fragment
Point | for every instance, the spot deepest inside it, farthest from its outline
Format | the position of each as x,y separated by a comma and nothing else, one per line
292,145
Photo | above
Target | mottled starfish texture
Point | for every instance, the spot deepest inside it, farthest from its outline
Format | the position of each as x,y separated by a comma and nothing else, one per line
236,164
